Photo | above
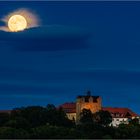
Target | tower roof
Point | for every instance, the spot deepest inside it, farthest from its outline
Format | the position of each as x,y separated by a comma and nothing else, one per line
88,94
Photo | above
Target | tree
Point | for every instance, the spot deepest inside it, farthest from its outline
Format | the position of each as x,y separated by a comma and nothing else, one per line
103,118
52,132
35,115
12,133
4,117
18,122
86,116
134,122
57,116
128,131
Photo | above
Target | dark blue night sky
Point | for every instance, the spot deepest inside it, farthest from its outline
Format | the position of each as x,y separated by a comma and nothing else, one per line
79,46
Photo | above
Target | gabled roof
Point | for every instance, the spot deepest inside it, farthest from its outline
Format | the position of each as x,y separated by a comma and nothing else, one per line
69,107
120,112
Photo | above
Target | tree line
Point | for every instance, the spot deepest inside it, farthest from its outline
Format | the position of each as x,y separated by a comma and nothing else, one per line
36,122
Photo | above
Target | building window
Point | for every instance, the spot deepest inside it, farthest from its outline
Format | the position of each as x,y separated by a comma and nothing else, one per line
117,114
86,99
94,100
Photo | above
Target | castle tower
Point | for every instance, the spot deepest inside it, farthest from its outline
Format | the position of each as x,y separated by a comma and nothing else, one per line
87,102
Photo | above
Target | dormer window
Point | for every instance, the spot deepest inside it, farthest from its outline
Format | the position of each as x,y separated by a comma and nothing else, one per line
117,114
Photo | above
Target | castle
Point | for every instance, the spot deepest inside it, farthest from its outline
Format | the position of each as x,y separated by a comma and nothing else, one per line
87,102
94,103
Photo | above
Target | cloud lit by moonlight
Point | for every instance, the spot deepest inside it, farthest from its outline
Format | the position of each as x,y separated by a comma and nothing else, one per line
30,17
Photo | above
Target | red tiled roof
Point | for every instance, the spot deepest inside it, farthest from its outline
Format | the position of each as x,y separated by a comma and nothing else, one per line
115,112
120,112
69,107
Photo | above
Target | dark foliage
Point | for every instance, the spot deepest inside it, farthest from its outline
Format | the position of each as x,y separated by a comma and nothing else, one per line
103,118
35,122
86,116
4,117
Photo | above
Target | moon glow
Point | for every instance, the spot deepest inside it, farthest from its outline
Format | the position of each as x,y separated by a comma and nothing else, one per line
19,20
17,23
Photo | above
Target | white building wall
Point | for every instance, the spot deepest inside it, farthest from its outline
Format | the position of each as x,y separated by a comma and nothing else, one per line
71,116
117,121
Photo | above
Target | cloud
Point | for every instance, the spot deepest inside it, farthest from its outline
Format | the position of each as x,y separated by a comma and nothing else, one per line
47,38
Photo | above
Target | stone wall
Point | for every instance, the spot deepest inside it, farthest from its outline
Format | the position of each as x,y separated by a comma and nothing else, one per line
87,102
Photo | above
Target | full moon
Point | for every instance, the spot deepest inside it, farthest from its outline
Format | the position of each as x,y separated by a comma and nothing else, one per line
17,23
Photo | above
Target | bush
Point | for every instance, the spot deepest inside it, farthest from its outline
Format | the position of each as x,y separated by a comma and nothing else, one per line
8,132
